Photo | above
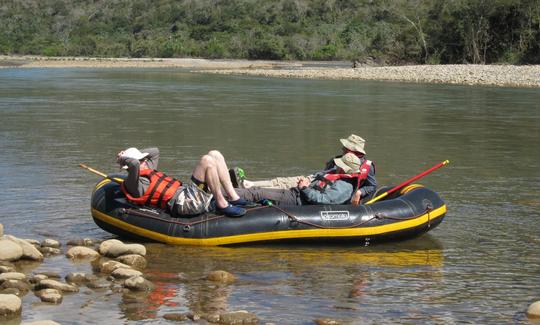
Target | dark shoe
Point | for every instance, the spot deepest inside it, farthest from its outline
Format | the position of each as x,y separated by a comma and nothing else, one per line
232,211
244,203
237,175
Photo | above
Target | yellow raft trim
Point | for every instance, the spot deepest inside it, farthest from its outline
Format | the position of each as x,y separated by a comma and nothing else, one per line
273,235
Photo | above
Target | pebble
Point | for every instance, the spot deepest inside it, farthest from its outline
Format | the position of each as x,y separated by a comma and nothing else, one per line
138,283
1,230
115,248
53,284
50,251
133,260
10,306
81,252
534,310
50,295
50,243
240,317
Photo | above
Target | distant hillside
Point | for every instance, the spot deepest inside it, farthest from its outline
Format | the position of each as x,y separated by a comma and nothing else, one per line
384,31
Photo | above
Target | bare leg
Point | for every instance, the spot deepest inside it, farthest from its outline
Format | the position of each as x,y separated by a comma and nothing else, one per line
206,171
223,173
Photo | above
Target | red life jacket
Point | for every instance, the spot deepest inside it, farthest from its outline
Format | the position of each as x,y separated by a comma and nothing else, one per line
361,176
160,191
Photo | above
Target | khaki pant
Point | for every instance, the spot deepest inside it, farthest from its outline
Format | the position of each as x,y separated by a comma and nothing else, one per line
281,182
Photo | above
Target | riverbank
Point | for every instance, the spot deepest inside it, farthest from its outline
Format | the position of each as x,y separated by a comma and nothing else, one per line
486,75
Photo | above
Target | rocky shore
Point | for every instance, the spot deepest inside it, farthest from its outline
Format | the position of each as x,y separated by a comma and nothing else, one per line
116,266
465,74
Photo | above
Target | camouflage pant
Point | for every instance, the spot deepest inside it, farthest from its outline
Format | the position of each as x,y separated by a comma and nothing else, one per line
191,200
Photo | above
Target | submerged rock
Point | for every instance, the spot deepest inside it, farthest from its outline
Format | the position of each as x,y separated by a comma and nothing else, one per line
80,277
21,286
10,251
50,251
50,295
81,242
178,317
10,306
53,284
327,321
12,276
36,278
50,243
6,268
109,266
534,310
221,276
81,252
240,317
41,322
138,283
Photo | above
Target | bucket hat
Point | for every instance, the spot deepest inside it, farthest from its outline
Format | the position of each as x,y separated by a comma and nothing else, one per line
354,143
349,163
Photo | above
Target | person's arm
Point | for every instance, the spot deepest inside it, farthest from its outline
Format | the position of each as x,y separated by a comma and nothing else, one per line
370,184
153,157
338,192
131,183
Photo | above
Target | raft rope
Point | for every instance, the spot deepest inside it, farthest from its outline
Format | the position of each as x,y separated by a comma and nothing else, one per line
290,216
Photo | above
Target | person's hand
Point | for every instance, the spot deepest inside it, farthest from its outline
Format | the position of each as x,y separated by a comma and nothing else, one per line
355,200
120,154
303,182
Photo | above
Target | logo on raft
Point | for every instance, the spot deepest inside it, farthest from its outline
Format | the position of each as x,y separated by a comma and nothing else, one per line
335,215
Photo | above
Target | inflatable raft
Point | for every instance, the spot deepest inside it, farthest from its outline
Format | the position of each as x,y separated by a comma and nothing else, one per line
411,212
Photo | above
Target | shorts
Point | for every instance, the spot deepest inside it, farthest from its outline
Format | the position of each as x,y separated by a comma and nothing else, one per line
190,200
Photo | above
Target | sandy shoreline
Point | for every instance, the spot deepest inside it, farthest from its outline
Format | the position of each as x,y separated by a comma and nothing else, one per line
490,75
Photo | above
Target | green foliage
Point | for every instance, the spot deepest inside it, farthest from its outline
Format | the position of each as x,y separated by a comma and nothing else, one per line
391,31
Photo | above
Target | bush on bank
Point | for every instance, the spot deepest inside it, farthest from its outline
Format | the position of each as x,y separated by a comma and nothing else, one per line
390,31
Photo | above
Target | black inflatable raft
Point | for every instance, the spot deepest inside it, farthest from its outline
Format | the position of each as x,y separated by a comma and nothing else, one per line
409,213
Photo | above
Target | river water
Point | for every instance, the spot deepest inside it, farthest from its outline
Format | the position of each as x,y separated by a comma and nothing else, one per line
481,265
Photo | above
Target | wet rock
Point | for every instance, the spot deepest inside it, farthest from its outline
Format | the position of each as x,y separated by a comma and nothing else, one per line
29,251
6,268
51,274
99,284
134,260
12,291
115,248
10,306
327,321
36,278
109,266
50,243
53,284
12,276
80,277
81,252
221,277
1,230
122,273
138,283
240,317
178,317
10,251
534,310
22,286
41,322
81,242
33,242
50,295
212,318
48,251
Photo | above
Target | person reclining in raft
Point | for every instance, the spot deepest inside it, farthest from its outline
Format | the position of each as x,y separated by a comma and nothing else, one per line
145,185
334,187
367,184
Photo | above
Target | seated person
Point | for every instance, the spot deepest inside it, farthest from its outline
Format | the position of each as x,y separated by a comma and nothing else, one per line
145,185
335,187
353,144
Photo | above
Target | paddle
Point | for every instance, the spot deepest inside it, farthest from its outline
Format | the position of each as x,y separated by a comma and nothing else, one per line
407,182
117,180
